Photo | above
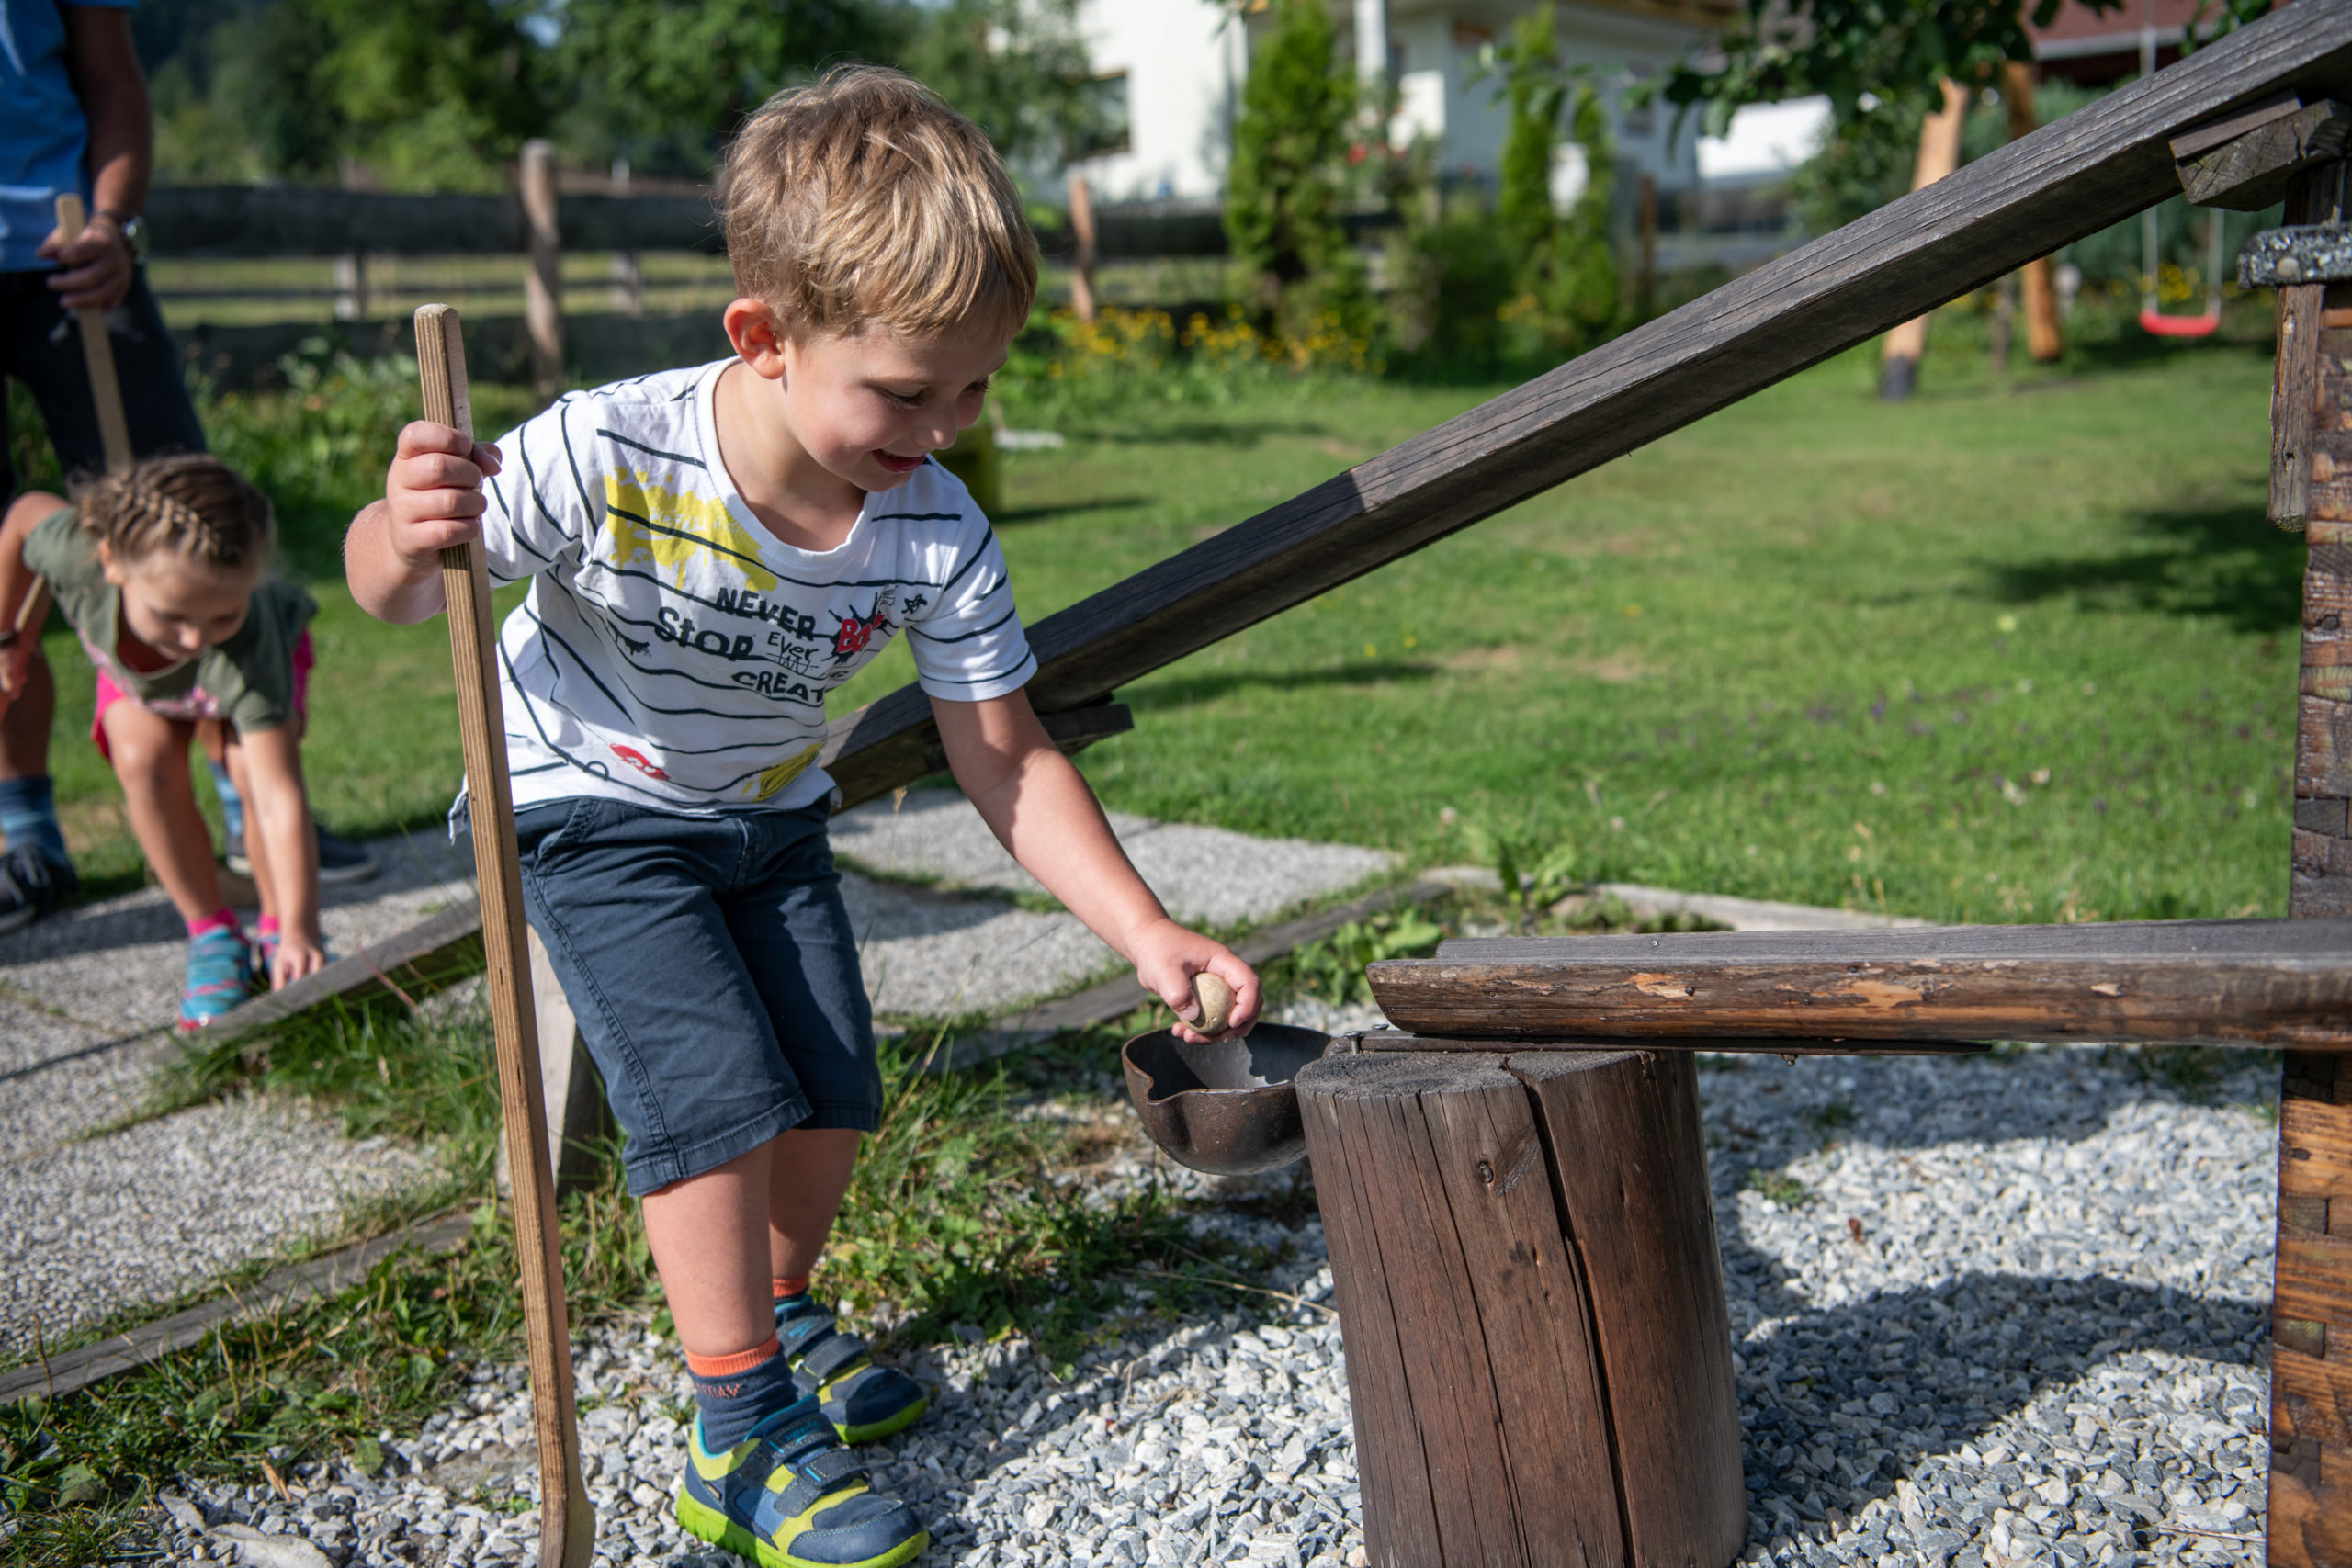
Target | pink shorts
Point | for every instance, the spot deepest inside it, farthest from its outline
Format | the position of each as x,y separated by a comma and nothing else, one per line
197,705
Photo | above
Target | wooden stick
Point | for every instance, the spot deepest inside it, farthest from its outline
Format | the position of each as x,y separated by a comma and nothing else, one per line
567,1522
97,352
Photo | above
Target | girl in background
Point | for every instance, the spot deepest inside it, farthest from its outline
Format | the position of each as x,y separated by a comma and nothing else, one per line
162,571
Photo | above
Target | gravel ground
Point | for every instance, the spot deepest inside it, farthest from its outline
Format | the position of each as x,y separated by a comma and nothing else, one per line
1993,1310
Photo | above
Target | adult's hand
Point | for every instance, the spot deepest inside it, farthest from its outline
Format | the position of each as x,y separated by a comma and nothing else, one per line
94,267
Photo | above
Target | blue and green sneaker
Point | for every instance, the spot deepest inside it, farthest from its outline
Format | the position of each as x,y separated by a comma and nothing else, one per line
862,1401
790,1496
219,975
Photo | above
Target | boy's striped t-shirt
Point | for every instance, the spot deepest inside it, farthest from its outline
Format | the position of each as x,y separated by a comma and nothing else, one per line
674,652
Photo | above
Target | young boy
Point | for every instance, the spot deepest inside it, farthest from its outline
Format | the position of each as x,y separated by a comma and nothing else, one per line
711,550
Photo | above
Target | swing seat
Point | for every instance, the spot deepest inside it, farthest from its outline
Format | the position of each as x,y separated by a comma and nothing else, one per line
2159,324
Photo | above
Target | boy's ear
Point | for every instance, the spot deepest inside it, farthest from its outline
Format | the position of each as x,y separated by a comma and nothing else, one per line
758,336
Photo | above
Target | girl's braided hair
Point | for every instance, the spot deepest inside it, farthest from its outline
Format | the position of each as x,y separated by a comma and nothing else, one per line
192,505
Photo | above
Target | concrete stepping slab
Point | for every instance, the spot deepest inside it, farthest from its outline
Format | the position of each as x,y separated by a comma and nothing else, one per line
1204,875
142,1214
116,963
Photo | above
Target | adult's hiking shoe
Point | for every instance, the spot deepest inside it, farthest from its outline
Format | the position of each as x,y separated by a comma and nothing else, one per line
30,884
340,860
219,976
862,1401
790,1496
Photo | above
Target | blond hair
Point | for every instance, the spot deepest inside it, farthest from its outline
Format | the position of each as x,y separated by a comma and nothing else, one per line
864,199
192,505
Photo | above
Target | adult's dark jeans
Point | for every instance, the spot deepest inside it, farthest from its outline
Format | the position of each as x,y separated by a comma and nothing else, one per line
40,344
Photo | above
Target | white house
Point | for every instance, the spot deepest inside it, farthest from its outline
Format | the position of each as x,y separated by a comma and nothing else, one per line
1176,67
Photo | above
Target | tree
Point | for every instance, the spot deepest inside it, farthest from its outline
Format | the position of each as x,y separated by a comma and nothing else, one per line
1018,69
1281,196
666,82
1568,297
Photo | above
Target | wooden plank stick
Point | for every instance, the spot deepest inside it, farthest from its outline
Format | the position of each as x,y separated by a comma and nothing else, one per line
2263,982
97,352
567,1522
2070,179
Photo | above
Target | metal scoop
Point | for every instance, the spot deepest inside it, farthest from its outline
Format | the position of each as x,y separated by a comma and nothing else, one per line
1226,1107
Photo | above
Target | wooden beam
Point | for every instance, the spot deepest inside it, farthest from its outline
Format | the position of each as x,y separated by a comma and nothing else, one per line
2249,171
434,953
2259,983
2311,1363
2070,179
301,220
1383,1040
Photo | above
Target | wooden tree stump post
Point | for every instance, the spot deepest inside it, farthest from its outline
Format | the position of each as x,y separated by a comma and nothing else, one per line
1539,1355
2311,1357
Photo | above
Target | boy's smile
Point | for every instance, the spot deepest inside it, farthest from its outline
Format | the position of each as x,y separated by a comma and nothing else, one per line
825,419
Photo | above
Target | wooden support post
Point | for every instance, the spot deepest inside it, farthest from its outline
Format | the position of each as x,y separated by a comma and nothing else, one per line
2311,1357
1646,279
1538,1352
1902,349
543,289
574,1096
1081,262
2043,340
629,268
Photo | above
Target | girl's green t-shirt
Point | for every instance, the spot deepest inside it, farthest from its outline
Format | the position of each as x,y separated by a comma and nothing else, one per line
249,678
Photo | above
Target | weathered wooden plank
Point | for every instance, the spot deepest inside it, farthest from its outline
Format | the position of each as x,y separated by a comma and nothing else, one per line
1902,945
2250,170
306,220
871,752
435,953
2237,983
1630,1163
2070,179
1385,1040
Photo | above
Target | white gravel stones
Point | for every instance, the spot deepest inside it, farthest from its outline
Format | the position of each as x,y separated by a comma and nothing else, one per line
2045,1346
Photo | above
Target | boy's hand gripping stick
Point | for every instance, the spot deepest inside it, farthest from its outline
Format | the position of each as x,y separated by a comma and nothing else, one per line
567,1522
114,429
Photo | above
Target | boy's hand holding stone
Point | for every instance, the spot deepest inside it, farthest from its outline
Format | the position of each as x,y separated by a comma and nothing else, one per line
1166,961
433,495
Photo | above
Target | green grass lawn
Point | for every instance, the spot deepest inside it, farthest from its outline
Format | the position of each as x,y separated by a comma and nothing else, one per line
1980,656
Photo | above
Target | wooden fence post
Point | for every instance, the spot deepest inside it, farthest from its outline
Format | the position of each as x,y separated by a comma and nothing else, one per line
628,269
543,289
2311,1357
1081,263
1538,1357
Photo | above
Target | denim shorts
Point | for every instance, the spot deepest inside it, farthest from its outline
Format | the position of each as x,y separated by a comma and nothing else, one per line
712,967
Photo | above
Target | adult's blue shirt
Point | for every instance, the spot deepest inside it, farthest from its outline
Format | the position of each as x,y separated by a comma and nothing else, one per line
43,135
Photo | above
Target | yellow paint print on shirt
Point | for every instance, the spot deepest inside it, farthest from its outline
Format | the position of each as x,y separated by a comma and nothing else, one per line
773,779
684,526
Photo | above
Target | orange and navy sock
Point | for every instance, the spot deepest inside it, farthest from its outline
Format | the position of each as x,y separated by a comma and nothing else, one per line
737,1393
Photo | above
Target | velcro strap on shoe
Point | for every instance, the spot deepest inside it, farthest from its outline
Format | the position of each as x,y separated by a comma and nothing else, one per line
815,1477
830,1356
797,1333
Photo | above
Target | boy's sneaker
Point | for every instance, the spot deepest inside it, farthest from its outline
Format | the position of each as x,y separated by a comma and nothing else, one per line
790,1496
340,860
219,975
30,884
862,1401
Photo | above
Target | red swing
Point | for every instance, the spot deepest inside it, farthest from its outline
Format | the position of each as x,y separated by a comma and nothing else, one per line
2154,321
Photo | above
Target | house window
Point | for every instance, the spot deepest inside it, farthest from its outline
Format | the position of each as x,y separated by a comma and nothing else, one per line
1103,130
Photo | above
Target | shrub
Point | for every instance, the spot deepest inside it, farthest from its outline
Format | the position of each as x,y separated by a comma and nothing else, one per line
1283,190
